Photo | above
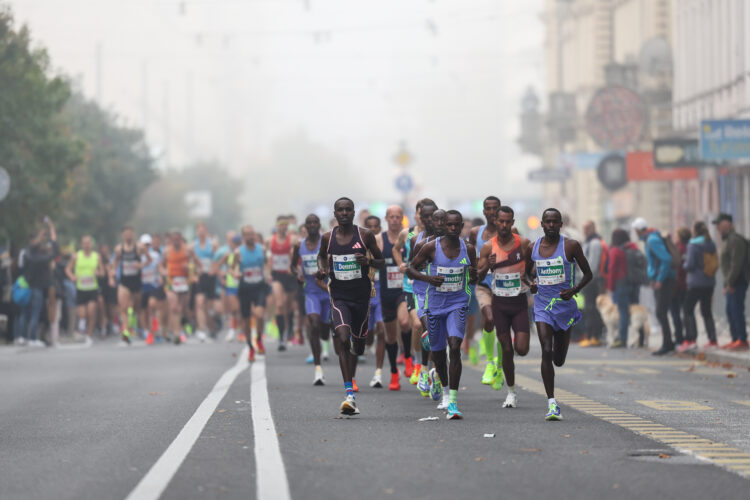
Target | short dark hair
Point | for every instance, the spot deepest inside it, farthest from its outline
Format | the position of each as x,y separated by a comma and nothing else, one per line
312,215
343,198
279,218
477,221
491,198
454,212
369,217
619,237
506,209
423,202
126,227
551,209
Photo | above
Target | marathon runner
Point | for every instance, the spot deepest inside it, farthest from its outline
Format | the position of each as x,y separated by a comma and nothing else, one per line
108,317
249,265
153,298
506,257
375,323
452,267
393,303
343,257
555,313
128,262
284,285
205,290
317,302
229,284
83,269
478,237
175,266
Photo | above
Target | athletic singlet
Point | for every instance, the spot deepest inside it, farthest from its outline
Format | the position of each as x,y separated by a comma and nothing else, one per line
129,262
420,287
408,282
553,274
508,270
348,280
480,243
177,269
85,271
280,259
251,264
391,278
231,281
454,292
309,260
205,255
150,272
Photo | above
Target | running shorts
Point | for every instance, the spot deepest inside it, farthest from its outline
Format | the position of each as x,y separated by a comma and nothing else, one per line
230,291
420,305
287,280
353,314
252,295
484,296
510,312
410,305
473,304
443,325
560,314
156,293
320,304
132,283
389,305
207,286
376,314
83,297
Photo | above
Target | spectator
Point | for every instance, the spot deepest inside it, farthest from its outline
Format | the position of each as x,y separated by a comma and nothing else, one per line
617,283
36,268
661,274
733,256
701,265
678,297
595,252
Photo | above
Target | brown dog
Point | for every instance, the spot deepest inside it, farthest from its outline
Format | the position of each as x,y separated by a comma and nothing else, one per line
611,318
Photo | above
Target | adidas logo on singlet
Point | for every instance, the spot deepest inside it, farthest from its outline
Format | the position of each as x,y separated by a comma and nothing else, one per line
357,245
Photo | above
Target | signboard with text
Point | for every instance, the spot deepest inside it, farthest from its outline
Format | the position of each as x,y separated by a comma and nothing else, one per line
678,152
725,139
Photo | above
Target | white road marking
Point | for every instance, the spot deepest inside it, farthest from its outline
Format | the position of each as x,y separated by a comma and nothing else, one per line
271,473
153,484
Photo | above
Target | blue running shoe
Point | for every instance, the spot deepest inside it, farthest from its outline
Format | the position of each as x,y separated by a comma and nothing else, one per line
310,360
423,384
454,413
553,413
436,388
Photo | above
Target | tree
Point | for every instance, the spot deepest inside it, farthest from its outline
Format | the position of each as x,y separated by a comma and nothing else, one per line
37,148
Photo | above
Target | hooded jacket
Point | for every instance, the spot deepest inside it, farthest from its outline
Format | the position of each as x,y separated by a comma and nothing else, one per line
659,259
696,278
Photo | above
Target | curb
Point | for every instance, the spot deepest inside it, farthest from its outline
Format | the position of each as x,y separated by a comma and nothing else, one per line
736,359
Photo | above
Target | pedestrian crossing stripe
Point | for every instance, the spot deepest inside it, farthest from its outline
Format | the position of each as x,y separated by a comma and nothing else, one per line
746,403
674,405
681,441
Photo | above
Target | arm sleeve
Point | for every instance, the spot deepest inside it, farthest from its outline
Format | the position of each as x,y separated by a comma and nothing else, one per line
657,247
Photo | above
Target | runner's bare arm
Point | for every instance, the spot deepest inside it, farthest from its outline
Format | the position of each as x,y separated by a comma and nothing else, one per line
323,257
100,270
471,250
377,261
69,268
400,242
573,251
473,235
293,268
483,266
425,254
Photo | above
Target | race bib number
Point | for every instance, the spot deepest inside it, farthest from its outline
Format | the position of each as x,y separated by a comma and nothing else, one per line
395,277
375,276
346,267
180,284
309,265
506,285
550,271
129,267
149,276
205,264
87,282
252,275
453,279
280,263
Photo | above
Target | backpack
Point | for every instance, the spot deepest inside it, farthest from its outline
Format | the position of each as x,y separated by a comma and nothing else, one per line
635,268
710,263
674,252
21,292
604,264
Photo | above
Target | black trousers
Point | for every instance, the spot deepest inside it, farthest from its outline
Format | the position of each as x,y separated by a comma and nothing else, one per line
675,310
702,295
663,298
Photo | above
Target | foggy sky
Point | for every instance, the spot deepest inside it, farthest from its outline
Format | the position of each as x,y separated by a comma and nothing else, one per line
355,77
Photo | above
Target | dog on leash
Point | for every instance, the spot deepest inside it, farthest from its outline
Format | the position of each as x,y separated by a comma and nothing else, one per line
639,327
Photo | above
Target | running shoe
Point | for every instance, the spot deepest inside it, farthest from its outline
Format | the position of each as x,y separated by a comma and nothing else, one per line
377,381
594,343
553,413
453,412
230,335
241,337
711,345
584,343
473,356
408,367
126,336
423,384
149,338
349,406
400,359
251,355
740,345
319,378
511,401
686,345
354,386
446,401
499,380
310,360
259,343
728,345
201,335
617,344
415,375
489,373
325,352
282,347
395,384
436,388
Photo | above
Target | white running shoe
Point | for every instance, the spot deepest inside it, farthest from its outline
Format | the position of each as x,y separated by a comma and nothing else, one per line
37,343
201,335
511,401
349,406
377,381
230,335
87,341
444,403
123,343
20,341
319,378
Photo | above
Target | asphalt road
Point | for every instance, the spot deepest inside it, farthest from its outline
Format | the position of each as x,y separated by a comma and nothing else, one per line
91,424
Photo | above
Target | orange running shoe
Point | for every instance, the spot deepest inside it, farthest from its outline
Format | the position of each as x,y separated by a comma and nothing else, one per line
354,386
149,338
241,337
408,367
395,384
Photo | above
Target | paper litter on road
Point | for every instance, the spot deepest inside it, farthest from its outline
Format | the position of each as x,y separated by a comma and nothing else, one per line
489,435
428,419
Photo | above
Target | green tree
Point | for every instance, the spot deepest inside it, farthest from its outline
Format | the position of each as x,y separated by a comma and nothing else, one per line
37,148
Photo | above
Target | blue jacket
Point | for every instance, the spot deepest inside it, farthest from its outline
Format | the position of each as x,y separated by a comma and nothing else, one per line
696,278
658,257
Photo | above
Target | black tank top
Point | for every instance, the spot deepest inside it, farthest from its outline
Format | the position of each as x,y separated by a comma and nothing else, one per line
129,263
349,280
389,274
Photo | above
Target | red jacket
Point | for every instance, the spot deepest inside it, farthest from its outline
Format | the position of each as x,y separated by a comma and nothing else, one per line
618,265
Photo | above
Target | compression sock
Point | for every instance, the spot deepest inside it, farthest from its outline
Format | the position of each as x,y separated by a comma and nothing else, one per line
392,350
488,340
452,395
406,340
282,326
349,389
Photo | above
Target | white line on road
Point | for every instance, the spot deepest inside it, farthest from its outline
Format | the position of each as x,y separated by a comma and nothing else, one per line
152,485
272,481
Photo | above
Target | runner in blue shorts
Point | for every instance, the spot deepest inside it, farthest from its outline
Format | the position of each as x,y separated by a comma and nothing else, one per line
555,312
